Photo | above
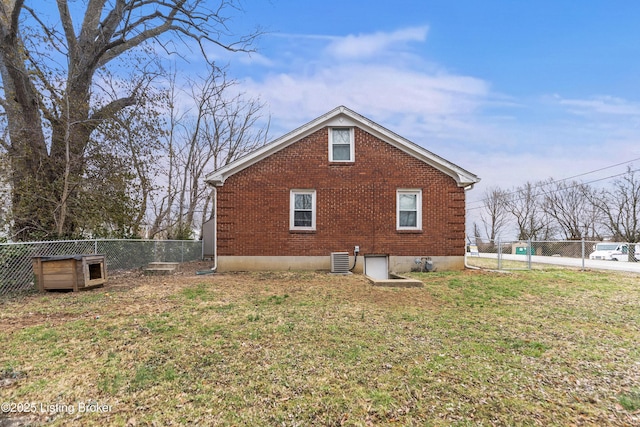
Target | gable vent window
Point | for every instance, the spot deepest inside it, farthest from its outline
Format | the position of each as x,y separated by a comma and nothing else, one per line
341,146
302,214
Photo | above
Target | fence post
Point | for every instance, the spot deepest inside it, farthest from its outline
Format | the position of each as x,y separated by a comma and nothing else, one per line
583,254
529,252
499,254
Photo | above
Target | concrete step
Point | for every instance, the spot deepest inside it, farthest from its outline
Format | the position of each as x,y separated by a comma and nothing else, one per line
162,264
161,268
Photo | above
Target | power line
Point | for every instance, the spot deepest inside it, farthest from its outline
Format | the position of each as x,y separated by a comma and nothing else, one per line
599,170
612,176
560,189
542,184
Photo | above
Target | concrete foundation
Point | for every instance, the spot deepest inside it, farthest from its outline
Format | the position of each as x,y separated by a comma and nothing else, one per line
397,264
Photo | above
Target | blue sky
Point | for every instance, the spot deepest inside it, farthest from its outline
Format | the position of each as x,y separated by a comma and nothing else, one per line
512,91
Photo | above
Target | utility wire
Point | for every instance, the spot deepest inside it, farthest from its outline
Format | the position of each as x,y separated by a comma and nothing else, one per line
601,169
546,193
543,184
561,189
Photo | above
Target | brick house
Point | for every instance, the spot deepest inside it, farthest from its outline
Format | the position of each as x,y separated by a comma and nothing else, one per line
336,183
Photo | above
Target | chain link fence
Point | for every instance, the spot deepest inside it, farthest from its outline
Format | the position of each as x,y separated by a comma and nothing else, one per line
524,255
16,269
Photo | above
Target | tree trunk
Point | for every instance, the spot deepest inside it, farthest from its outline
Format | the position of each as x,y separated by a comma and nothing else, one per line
69,140
28,151
44,98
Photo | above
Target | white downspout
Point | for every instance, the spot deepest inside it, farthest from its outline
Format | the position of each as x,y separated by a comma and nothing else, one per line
466,254
215,228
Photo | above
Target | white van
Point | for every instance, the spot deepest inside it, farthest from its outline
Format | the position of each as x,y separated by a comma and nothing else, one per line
612,251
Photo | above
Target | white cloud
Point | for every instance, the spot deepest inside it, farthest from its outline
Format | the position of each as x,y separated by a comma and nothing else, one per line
368,45
408,90
380,87
601,105
438,104
384,76
254,58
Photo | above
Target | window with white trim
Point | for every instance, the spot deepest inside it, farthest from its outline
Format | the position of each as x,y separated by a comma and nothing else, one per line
409,210
302,210
341,146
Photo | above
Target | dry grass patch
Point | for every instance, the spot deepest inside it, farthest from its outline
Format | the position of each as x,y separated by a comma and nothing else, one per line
545,347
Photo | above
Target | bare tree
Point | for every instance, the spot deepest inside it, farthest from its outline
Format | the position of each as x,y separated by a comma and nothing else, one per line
569,205
494,215
131,145
620,206
50,98
222,126
525,205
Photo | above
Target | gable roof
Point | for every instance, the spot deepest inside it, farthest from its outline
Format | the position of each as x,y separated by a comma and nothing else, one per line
342,116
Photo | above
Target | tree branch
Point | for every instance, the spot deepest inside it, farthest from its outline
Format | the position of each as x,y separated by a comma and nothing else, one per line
10,18
91,21
109,110
195,23
67,26
52,93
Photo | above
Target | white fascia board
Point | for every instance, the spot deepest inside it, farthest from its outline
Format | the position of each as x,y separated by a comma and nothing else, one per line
218,177
462,177
342,116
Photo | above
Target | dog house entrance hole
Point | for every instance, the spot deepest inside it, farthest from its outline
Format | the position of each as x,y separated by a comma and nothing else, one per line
95,271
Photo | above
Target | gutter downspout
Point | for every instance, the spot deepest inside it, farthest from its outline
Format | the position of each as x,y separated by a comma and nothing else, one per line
466,265
215,229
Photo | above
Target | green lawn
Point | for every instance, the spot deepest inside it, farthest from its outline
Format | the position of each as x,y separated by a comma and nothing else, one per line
542,347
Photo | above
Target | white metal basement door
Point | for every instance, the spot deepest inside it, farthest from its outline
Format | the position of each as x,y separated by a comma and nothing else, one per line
376,266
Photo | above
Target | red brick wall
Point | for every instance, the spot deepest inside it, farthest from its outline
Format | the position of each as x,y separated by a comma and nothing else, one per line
356,203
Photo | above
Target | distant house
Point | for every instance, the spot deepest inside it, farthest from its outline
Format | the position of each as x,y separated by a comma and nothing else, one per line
334,185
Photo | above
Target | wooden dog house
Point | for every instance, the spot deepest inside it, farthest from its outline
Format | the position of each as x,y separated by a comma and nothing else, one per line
75,272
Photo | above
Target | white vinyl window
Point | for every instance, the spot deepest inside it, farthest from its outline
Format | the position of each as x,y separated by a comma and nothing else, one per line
302,210
341,146
409,210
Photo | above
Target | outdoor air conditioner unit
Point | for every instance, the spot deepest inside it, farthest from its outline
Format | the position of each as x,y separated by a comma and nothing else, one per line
340,262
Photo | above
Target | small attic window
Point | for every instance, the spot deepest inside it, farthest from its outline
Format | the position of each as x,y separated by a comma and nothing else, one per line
341,146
